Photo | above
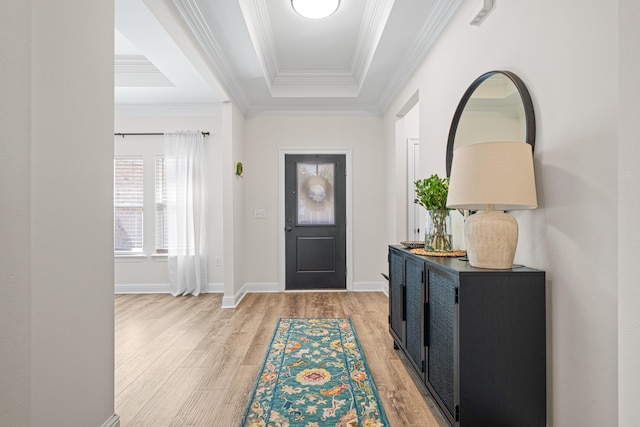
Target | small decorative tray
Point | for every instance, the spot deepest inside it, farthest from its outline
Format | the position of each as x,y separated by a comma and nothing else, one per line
412,245
423,252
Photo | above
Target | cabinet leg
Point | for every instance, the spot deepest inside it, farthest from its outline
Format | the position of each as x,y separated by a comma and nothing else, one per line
395,346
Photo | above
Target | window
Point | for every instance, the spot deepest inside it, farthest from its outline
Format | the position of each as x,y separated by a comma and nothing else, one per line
131,213
161,205
128,204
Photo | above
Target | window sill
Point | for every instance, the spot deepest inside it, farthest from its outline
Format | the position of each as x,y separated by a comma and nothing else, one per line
127,256
130,254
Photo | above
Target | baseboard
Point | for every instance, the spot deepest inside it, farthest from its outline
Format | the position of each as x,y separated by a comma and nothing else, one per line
160,288
215,288
258,287
233,301
371,287
113,421
142,288
249,287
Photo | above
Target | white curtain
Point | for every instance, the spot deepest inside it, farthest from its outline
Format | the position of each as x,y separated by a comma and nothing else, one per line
186,229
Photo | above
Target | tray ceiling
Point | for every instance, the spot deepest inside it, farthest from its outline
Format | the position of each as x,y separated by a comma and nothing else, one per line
266,58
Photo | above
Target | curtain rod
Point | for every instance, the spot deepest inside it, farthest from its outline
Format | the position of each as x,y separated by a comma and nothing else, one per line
149,133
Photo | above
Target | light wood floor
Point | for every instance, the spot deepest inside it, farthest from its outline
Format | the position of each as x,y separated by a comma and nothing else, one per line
187,362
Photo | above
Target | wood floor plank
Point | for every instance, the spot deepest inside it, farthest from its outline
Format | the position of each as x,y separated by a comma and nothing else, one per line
164,317
199,410
138,393
187,362
162,408
129,363
230,408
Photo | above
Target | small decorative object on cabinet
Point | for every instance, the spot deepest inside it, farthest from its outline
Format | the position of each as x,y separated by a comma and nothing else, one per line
476,337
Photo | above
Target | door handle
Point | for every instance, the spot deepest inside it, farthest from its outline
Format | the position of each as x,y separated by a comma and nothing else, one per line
287,228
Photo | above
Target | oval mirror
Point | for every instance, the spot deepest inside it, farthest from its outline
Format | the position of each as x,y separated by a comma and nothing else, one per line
496,107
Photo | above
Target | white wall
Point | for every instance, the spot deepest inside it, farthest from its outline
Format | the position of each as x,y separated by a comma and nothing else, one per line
567,55
150,273
412,122
56,270
264,137
15,214
233,204
629,216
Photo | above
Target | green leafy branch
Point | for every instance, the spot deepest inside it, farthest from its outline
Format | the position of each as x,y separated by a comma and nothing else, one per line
432,192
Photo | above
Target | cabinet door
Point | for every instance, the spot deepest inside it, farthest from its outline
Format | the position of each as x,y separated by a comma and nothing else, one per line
414,325
396,294
441,325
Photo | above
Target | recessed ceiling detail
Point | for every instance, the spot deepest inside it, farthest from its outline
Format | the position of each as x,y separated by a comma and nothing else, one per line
355,29
138,71
268,59
151,72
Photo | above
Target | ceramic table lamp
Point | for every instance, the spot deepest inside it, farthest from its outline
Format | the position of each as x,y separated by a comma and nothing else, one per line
490,178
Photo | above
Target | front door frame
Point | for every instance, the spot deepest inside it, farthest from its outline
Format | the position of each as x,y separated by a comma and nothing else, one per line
415,212
281,210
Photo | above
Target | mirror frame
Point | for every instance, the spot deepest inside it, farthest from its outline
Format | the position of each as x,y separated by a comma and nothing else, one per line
530,120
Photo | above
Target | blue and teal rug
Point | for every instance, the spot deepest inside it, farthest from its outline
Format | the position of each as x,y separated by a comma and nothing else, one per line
314,375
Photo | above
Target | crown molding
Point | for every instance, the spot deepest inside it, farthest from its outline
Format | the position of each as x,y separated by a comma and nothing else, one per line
195,21
315,77
442,13
374,20
134,64
167,109
138,71
313,110
317,84
261,33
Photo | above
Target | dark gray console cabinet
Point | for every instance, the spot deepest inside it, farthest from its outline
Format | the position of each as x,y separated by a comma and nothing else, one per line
476,337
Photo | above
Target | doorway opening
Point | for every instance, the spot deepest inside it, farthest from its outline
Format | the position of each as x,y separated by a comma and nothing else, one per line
410,216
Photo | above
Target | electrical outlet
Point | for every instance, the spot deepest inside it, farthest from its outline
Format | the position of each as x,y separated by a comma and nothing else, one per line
259,214
218,261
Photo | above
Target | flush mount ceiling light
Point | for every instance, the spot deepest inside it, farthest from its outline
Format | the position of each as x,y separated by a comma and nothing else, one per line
315,9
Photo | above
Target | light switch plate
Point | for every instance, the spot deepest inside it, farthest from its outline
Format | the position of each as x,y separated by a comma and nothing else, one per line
259,214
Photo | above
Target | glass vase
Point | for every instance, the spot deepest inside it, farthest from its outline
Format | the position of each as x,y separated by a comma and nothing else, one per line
437,234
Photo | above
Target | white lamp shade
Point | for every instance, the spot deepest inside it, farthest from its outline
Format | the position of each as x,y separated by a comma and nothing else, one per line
492,176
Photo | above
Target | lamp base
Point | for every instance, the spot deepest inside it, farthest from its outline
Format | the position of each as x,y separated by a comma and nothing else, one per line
491,238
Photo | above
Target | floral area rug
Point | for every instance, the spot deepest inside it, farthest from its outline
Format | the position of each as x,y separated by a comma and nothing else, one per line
314,375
